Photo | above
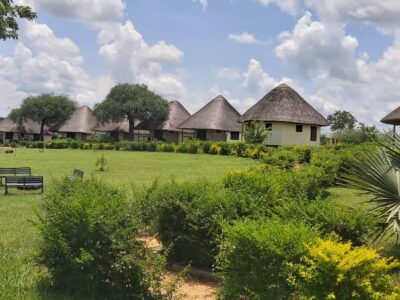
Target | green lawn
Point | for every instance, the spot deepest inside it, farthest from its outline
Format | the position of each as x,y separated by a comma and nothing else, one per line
19,277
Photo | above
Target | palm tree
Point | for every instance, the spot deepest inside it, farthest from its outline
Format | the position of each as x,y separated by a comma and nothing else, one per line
377,174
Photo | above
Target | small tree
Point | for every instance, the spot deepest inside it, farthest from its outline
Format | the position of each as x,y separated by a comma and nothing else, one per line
341,120
255,132
47,109
8,18
132,102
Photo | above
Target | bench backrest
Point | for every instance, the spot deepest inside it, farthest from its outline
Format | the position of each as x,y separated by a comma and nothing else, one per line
24,179
16,171
78,173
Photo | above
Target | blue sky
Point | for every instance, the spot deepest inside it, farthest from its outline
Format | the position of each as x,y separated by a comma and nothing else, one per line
338,55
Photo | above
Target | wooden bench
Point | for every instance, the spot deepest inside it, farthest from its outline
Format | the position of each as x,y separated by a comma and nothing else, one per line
24,182
6,172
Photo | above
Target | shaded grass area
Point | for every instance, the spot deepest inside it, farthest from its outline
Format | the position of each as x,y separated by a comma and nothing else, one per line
20,278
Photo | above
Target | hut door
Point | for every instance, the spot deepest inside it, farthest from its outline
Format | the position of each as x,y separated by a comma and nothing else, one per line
201,134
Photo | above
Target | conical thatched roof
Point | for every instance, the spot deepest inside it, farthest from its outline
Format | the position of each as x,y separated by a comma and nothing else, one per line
81,121
118,127
28,127
284,104
393,118
176,116
218,114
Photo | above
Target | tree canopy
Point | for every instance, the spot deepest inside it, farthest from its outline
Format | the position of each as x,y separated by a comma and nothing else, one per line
132,102
8,18
341,120
47,109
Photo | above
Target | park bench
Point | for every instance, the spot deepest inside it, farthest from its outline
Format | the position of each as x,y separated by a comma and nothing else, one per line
24,171
24,182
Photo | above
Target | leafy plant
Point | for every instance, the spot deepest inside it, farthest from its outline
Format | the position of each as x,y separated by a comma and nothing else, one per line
101,163
331,270
377,173
90,244
255,132
254,255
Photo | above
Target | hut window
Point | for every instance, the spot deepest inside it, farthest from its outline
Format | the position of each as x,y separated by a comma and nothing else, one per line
313,136
9,135
268,126
71,135
299,128
235,136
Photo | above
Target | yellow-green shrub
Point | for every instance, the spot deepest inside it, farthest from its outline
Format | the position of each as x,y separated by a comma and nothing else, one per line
332,270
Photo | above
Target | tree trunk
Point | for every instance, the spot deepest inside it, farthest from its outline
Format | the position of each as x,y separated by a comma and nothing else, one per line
41,130
131,129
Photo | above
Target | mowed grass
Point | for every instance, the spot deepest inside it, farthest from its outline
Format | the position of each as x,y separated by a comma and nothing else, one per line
20,278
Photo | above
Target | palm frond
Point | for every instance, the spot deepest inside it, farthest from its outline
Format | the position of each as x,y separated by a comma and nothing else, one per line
373,174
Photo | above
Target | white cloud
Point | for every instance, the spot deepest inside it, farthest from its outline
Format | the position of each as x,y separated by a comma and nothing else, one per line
132,59
88,11
245,38
42,62
291,7
228,73
203,3
256,80
315,48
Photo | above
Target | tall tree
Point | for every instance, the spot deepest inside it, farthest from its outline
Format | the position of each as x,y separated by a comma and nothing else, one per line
340,120
47,109
132,102
8,18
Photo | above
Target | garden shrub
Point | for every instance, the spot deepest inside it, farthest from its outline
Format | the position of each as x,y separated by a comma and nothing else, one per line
189,146
331,270
214,149
355,225
164,147
206,145
90,246
188,219
224,148
281,157
254,255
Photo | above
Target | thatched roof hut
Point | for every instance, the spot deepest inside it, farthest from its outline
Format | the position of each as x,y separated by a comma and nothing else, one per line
28,127
122,127
284,104
218,114
177,114
393,118
81,121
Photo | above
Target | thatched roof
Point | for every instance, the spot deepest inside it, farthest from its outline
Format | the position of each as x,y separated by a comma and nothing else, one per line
284,104
176,116
81,121
393,118
118,127
28,127
218,114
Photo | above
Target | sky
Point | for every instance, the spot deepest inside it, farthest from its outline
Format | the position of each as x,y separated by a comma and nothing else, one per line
339,55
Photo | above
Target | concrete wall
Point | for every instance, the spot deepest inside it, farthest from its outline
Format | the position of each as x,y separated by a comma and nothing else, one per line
220,136
285,134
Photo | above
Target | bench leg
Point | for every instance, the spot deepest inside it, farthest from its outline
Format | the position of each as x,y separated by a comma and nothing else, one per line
42,189
6,191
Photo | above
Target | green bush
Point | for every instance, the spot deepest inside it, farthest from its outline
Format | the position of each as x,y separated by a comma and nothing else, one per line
206,145
331,270
224,148
254,255
188,219
355,225
90,246
281,157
